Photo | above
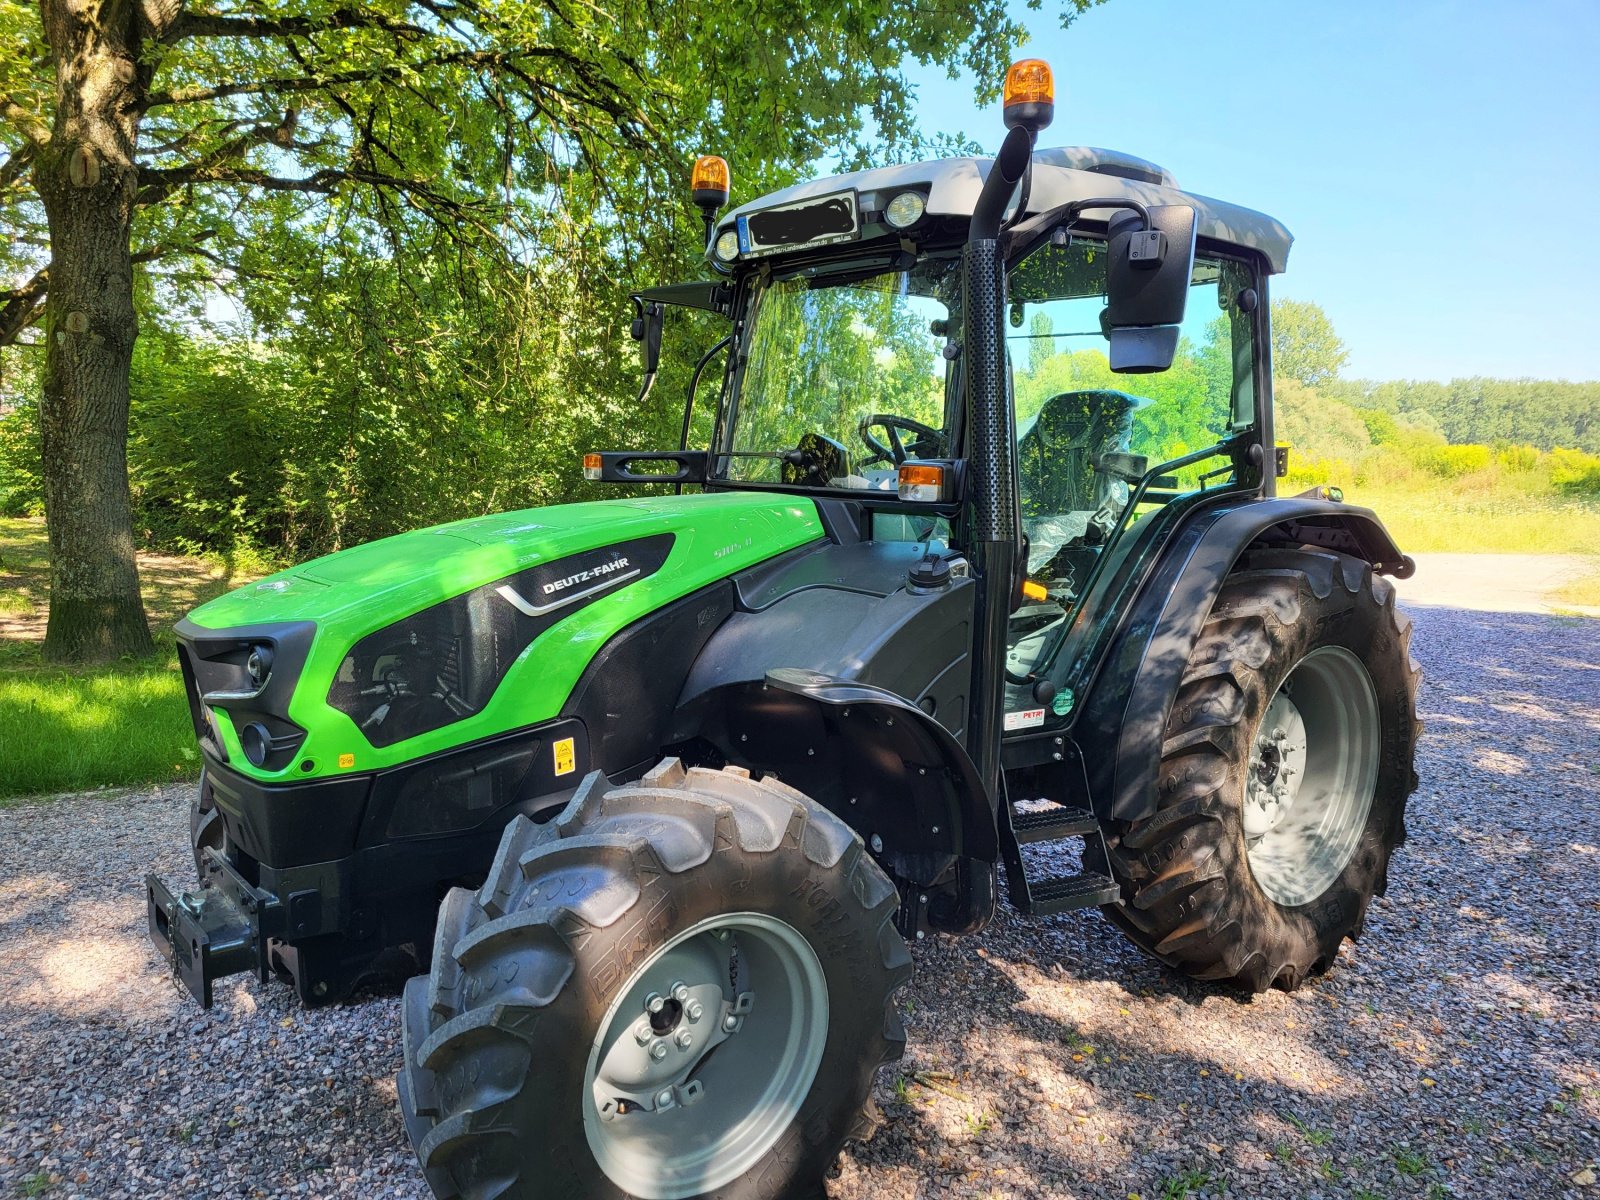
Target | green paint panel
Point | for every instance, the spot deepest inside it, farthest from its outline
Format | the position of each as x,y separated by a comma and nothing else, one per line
358,591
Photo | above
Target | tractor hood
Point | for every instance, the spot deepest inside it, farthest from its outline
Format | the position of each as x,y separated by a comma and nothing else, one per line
427,640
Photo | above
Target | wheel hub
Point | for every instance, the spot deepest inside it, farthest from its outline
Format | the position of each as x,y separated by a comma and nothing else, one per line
689,1081
1277,767
1312,773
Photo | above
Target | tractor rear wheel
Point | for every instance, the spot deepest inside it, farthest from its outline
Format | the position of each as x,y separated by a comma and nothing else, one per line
677,988
1286,763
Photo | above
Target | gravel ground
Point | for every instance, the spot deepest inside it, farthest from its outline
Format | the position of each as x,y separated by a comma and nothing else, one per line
1456,1051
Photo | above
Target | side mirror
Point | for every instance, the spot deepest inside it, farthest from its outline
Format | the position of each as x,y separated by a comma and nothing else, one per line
1147,286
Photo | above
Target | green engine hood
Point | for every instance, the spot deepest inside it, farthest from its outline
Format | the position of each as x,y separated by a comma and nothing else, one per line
358,592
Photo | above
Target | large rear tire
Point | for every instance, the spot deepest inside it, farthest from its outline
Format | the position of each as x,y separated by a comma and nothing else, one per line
1286,764
677,988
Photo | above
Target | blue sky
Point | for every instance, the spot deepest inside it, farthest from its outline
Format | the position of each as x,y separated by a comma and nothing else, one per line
1437,160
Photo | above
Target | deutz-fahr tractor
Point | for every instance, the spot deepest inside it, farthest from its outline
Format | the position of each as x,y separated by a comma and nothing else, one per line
981,551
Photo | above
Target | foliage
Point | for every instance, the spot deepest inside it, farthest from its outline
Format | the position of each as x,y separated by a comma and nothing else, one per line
1452,462
1304,346
1575,472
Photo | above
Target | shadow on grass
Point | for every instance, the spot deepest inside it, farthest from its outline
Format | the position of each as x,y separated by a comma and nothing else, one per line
66,731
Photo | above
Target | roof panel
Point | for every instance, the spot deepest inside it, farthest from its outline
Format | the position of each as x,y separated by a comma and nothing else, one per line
954,183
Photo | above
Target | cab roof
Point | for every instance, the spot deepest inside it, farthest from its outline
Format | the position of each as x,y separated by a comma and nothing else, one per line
1060,175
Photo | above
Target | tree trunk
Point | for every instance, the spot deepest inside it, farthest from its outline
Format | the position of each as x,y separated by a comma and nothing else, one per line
87,179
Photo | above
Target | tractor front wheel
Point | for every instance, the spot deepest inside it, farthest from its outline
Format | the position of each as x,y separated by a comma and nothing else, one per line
205,824
677,988
1286,763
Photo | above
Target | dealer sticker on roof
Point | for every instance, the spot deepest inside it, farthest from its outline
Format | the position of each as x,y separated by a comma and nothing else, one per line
1025,719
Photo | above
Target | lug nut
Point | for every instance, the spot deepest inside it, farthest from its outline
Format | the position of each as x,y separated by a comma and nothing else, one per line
654,1003
680,992
695,1010
643,1034
658,1051
685,1039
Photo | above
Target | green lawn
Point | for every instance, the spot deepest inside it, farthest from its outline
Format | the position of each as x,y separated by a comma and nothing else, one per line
71,729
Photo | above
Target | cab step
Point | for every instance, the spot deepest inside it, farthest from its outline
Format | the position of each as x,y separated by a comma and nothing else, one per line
1051,824
1068,893
1042,897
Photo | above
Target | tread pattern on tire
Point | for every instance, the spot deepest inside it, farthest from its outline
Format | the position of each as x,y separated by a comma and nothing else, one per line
504,953
1182,868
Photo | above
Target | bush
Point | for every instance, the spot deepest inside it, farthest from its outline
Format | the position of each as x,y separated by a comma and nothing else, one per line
21,486
1521,459
1452,462
1575,472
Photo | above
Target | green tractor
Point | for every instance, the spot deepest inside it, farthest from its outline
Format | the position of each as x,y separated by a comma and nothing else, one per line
983,551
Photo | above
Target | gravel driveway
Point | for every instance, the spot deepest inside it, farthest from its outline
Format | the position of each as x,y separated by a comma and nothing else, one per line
1456,1051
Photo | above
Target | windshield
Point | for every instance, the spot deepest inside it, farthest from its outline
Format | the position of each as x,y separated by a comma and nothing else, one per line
844,380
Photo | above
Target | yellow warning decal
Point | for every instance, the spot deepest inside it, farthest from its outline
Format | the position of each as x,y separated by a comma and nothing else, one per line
566,756
347,760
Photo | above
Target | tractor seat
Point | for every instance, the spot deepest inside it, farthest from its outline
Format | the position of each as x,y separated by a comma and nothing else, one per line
1056,454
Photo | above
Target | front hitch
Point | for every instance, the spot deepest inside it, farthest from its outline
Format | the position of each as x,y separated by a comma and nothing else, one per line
221,928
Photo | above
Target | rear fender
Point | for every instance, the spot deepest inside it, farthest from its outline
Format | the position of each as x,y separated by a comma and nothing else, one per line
879,762
1128,705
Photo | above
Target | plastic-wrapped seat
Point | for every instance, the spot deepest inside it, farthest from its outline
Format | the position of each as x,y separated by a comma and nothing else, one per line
1056,455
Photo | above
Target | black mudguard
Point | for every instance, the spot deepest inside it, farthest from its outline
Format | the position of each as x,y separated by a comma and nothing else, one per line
887,768
1127,706
878,761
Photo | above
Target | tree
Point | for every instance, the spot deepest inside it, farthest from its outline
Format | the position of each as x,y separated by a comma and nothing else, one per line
153,132
1304,346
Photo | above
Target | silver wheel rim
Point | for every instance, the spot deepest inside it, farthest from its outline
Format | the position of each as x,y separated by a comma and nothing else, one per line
704,1058
1312,773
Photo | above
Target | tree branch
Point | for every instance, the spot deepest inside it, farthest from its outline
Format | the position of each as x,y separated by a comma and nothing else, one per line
21,307
217,25
21,119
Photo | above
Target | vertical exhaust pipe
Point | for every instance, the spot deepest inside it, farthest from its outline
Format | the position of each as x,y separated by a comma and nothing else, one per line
991,450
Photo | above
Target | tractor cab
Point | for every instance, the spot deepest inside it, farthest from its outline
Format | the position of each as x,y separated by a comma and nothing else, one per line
1133,386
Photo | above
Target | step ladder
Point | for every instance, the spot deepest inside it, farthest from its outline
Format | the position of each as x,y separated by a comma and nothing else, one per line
1043,896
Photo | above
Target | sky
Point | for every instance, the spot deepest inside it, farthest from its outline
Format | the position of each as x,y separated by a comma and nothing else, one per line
1438,161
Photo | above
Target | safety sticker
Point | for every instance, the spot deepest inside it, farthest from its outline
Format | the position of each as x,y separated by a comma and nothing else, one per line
1025,719
566,756
346,761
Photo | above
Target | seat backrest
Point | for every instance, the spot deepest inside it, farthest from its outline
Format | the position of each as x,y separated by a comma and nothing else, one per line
1057,450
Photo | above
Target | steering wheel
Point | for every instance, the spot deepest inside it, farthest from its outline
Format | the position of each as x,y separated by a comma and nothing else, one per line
929,441
815,462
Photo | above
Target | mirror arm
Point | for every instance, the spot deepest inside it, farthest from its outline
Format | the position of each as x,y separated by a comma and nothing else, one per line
1029,233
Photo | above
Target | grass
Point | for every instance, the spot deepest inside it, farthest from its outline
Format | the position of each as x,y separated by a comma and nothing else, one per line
1177,1187
69,728
1583,591
1442,516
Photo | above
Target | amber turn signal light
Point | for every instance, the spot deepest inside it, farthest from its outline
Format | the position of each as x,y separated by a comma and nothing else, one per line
591,466
1030,94
921,481
1034,591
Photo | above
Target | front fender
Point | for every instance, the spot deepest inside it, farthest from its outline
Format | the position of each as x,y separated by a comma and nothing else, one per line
879,762
1128,705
